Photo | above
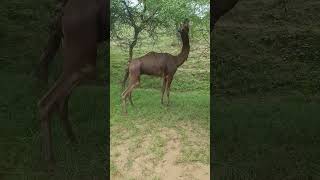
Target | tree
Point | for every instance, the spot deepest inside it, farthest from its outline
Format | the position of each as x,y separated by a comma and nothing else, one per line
130,18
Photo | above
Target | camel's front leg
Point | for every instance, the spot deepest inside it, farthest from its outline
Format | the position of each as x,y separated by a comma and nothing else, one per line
163,88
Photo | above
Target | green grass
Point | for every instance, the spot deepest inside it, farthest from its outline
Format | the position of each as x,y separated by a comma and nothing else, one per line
259,50
148,121
267,137
266,91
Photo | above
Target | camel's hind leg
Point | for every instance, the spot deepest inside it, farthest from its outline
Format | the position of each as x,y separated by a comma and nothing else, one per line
132,84
163,88
46,107
168,85
63,112
47,104
130,99
46,136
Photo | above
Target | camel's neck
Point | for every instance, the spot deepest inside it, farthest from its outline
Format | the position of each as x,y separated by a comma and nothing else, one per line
183,55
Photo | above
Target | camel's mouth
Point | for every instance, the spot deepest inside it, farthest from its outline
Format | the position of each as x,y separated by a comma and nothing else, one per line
185,31
184,27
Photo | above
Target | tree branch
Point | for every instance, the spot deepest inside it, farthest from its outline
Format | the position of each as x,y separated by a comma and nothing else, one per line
131,18
144,10
145,21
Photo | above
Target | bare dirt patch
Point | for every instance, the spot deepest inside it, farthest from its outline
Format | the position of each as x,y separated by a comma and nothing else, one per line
155,158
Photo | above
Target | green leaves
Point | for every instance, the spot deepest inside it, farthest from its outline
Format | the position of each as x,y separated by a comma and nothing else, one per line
153,15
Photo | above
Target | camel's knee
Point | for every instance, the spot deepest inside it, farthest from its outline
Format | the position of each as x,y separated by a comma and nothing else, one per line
44,110
123,97
40,103
122,94
43,113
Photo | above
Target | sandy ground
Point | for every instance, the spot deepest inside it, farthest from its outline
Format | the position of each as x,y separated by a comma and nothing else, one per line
140,163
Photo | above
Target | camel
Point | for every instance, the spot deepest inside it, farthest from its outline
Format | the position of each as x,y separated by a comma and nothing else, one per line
81,26
162,65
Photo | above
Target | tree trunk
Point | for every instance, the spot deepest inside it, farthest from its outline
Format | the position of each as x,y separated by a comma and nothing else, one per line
130,52
133,43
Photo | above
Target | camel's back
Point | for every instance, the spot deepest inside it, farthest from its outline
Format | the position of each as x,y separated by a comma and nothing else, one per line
156,63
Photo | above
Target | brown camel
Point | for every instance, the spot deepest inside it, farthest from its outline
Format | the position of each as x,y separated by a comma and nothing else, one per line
156,64
83,26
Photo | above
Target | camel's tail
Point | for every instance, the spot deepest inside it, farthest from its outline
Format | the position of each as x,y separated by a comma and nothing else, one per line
125,78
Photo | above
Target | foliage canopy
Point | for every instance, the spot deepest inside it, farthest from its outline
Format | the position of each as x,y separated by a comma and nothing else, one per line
129,18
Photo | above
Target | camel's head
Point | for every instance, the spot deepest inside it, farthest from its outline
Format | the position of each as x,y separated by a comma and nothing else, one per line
184,27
